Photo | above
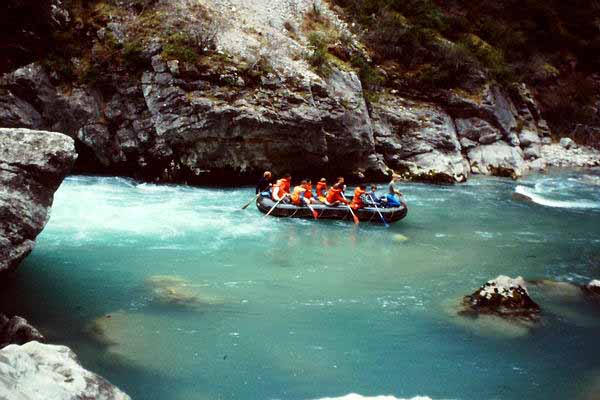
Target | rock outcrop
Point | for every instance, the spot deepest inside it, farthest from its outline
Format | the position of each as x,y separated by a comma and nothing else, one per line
35,370
504,297
592,290
239,110
16,330
32,166
419,140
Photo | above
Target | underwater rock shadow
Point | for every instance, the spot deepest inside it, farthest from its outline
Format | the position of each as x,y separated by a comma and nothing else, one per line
174,291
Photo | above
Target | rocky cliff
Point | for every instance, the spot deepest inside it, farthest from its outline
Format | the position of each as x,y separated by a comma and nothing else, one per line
35,370
32,166
220,90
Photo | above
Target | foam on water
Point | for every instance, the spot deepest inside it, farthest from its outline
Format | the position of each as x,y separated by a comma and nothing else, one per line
544,201
119,206
354,396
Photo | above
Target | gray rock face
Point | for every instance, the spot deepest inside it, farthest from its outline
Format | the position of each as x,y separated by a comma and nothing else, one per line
477,130
498,158
28,370
32,166
182,123
418,139
17,330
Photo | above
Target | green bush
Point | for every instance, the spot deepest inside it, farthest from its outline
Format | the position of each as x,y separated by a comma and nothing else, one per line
133,57
370,78
180,46
318,57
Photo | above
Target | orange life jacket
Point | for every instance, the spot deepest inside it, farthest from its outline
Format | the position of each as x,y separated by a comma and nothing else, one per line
335,195
282,187
357,201
321,189
308,193
297,195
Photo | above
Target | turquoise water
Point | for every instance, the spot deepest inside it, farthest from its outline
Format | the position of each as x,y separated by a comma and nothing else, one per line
291,309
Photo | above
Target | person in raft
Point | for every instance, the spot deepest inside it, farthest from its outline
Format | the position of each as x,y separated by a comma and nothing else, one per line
372,198
335,197
358,199
322,190
308,194
341,181
281,189
297,197
390,199
264,184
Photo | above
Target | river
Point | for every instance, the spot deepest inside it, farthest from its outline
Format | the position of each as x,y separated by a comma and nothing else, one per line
174,293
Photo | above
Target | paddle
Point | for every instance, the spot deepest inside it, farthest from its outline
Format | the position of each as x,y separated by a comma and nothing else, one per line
276,204
379,212
356,220
314,213
248,203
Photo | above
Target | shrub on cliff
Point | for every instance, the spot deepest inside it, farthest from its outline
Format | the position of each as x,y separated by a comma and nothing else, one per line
536,41
318,55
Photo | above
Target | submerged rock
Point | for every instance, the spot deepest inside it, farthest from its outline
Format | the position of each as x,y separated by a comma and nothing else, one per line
171,290
32,166
504,297
139,338
35,371
565,300
177,291
563,290
399,238
17,330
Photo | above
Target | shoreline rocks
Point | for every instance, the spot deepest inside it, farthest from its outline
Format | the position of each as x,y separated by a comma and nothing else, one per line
558,156
17,330
504,297
33,368
28,368
32,166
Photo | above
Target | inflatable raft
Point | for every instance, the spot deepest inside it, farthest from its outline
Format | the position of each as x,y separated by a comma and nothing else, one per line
367,214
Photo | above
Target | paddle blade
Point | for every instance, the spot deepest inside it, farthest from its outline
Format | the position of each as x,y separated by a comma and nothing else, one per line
248,203
315,214
356,220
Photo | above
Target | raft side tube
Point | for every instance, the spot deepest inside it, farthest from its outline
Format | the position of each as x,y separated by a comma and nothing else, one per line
366,214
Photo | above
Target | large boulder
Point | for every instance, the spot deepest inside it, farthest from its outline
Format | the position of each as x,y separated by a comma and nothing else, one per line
477,130
592,290
35,371
32,166
16,330
567,143
498,158
504,297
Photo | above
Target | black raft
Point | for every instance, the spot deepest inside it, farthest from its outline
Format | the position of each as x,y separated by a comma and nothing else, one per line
367,214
